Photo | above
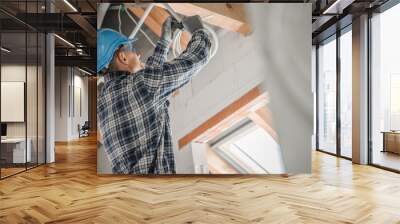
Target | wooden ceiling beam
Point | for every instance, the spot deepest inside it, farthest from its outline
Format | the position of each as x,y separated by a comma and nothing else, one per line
150,22
263,118
226,118
155,20
229,16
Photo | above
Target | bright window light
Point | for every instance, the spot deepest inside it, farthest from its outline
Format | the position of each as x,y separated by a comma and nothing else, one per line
255,151
327,96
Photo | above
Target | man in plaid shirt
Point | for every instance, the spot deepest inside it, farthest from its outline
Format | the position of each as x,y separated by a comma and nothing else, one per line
132,106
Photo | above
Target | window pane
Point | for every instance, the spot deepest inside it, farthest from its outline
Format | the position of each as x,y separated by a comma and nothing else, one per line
386,88
31,100
15,150
327,97
346,94
264,150
252,150
22,84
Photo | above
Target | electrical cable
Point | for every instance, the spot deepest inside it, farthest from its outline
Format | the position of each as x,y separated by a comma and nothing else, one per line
176,46
142,19
119,19
120,8
144,33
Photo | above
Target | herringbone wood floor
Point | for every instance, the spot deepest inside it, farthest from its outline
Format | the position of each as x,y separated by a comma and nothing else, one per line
69,191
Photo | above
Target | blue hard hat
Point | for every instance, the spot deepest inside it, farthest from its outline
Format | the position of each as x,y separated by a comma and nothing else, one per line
108,41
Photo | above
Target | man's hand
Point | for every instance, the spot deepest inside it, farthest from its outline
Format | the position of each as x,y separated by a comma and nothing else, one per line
166,30
192,23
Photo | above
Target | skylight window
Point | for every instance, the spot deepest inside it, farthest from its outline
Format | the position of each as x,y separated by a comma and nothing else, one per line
251,150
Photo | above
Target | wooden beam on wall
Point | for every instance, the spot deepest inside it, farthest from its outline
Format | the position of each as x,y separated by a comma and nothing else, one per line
220,116
263,118
155,20
229,16
217,165
233,119
150,22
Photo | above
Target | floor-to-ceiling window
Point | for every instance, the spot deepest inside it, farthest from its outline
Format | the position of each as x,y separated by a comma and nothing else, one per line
385,89
346,92
334,94
22,78
327,95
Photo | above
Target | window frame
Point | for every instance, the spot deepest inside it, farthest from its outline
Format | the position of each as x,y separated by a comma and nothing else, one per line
43,40
371,13
334,37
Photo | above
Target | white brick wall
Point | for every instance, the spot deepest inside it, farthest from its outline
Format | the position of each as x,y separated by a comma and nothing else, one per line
235,70
242,63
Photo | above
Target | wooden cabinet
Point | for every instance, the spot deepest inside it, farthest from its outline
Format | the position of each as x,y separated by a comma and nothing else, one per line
391,142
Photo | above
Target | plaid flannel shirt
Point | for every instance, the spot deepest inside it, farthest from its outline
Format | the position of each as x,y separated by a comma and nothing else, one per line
132,109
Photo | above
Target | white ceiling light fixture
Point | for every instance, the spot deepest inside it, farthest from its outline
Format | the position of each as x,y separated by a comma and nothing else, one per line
84,71
64,40
70,5
5,50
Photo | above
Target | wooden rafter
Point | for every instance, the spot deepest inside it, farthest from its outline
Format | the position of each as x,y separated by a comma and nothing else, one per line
155,20
263,118
228,16
217,165
226,118
224,15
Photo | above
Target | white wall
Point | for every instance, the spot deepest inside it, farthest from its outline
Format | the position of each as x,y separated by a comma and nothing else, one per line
229,75
199,151
277,57
66,121
286,46
61,103
14,72
80,82
17,73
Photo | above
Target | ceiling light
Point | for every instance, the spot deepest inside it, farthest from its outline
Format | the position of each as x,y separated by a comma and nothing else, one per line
84,71
65,41
79,51
70,5
5,50
337,7
331,7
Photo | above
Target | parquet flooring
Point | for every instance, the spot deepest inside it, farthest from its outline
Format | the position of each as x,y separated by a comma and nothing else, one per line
10,171
69,191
